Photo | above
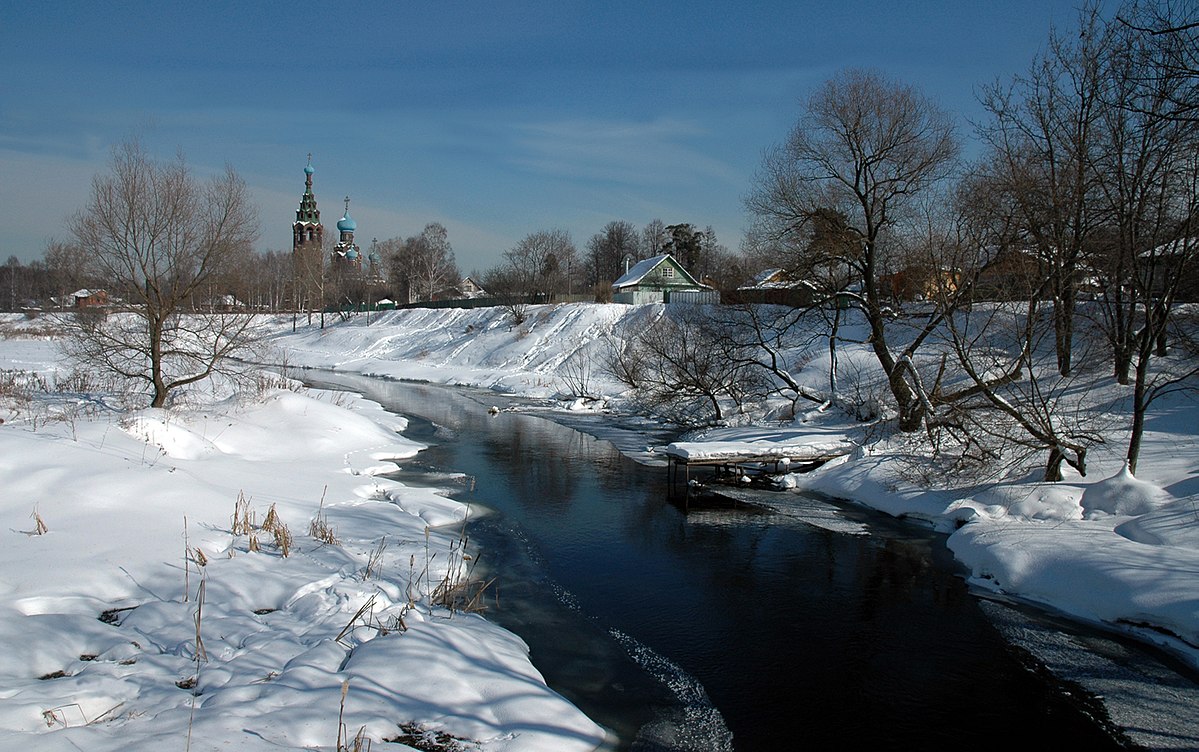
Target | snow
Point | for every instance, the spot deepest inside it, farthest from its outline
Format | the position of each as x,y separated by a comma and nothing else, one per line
637,272
794,449
114,489
125,496
1122,494
1109,548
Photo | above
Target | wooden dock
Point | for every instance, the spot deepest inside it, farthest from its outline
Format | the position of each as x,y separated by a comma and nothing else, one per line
745,459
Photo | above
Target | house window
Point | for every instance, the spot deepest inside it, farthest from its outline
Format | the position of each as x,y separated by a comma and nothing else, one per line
668,272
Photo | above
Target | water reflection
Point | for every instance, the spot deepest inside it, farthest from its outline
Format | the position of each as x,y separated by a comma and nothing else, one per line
668,627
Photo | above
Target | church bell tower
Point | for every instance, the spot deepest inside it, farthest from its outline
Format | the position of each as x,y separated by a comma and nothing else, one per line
308,236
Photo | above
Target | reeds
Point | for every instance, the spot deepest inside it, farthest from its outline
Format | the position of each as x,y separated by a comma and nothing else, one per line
39,525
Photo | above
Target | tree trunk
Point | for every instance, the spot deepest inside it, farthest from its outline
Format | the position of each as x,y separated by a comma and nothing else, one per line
1053,467
832,356
1063,329
911,409
1123,366
1140,406
716,407
1134,442
160,387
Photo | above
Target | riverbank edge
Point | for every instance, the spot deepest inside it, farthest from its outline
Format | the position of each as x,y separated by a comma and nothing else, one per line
1118,721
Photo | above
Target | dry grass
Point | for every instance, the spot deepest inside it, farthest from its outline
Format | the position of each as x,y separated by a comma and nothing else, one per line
360,743
283,540
466,596
320,528
243,516
278,530
374,562
201,653
272,520
361,617
266,382
460,589
39,525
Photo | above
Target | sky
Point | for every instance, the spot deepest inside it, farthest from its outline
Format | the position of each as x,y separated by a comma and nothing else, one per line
495,119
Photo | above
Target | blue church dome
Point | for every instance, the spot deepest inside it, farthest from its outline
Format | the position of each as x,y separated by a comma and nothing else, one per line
352,254
346,224
308,169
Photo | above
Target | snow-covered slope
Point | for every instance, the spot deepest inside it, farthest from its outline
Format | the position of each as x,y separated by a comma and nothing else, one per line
477,347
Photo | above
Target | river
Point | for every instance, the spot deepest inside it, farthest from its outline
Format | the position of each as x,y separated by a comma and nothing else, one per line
808,624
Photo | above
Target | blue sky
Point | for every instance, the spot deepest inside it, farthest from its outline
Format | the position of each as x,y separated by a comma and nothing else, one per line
496,119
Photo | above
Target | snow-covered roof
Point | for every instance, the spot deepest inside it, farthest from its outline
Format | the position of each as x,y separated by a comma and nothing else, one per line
765,276
641,270
776,279
1175,247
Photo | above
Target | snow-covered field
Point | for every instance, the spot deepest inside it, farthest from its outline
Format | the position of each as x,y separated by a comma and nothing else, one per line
134,501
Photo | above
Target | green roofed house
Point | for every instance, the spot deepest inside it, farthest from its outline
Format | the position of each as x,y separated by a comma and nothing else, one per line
660,279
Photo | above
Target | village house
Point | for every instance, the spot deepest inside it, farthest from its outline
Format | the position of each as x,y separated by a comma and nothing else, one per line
471,288
660,279
775,287
90,298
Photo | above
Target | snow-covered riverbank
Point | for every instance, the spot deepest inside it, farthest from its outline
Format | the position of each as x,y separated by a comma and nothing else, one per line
282,635
220,627
1108,548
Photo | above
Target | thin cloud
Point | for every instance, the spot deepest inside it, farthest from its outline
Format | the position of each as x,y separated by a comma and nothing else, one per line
657,152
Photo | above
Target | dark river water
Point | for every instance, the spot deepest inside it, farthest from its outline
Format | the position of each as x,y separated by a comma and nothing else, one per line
808,625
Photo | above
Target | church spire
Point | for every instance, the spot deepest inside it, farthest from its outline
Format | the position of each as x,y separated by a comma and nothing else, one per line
346,248
306,245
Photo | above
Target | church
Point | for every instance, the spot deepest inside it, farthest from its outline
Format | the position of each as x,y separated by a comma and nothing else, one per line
345,260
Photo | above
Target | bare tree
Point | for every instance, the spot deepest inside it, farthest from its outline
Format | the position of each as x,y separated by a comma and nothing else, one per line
654,238
864,150
765,338
1043,137
395,254
1143,173
510,290
606,253
1146,171
1171,29
431,260
269,287
1007,395
308,272
539,262
685,366
156,234
66,269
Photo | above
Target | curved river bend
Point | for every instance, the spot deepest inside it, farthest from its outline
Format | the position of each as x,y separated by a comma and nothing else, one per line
807,625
